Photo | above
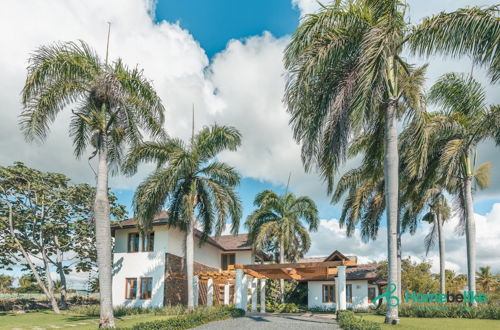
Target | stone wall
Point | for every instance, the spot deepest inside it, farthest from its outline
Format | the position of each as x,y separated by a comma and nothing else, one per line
175,280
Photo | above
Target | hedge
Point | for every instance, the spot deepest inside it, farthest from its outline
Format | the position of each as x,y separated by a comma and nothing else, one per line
347,320
197,317
451,310
25,304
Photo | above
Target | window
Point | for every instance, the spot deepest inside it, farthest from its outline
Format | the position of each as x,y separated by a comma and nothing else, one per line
227,259
130,288
148,242
146,287
348,295
328,293
371,294
133,242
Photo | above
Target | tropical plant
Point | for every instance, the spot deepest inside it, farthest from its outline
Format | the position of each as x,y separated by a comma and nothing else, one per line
344,64
192,184
464,120
277,221
112,107
486,279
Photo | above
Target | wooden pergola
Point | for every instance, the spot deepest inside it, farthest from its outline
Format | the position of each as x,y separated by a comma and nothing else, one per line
244,277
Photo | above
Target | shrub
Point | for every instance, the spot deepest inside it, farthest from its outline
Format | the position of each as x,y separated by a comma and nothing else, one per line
194,318
347,320
283,308
322,309
482,311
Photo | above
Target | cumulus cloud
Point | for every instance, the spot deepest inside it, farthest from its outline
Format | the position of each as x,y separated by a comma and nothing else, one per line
330,237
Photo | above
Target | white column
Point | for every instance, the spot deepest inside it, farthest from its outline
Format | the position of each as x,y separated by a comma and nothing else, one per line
244,292
195,290
262,295
341,287
237,288
210,292
253,289
226,293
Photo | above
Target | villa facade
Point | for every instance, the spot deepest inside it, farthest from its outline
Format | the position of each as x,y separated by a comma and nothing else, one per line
149,271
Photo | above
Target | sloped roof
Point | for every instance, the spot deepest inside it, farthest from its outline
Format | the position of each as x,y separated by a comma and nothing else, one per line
225,242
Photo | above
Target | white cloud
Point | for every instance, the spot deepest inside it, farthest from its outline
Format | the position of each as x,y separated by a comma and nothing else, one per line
330,237
307,6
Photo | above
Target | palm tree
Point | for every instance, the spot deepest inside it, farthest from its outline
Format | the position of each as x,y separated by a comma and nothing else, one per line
278,221
465,120
111,106
344,65
192,183
438,213
486,279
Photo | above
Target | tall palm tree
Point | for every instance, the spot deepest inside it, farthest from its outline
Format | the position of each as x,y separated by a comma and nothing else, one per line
344,63
465,120
486,279
111,105
192,184
437,215
278,221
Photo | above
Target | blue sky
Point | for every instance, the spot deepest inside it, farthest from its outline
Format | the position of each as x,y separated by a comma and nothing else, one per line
213,23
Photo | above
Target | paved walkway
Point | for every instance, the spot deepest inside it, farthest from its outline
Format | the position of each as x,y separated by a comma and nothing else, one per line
275,321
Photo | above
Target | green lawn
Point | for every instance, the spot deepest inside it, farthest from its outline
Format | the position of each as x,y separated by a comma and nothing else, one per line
435,323
66,320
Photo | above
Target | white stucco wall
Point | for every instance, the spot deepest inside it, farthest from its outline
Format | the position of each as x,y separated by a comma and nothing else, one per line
137,265
359,294
243,257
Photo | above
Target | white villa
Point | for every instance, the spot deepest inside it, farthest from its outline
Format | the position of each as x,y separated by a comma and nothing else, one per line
149,271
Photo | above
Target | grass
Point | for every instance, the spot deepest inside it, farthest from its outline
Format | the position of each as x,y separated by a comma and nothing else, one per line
434,323
46,319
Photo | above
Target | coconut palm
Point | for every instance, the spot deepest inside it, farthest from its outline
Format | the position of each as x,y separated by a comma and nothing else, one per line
192,185
278,221
486,279
111,106
465,120
343,65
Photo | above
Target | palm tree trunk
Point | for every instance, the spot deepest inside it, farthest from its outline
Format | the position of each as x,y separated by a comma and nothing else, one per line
391,169
442,280
103,239
190,263
282,261
470,234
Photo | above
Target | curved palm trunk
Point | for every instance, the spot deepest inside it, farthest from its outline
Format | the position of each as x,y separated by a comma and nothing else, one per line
442,279
391,169
470,234
103,239
189,239
282,281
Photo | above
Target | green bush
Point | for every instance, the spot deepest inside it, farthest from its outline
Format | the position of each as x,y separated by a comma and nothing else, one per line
347,320
482,311
41,303
199,316
322,309
272,307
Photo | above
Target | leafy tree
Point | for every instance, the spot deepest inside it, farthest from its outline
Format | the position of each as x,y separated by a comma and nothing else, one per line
344,64
112,107
46,220
277,222
414,276
193,185
455,282
6,282
28,284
